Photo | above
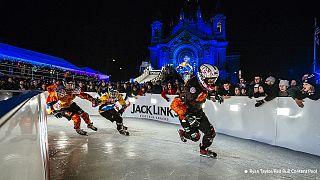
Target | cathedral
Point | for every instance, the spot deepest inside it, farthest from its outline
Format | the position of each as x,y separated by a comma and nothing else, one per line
193,40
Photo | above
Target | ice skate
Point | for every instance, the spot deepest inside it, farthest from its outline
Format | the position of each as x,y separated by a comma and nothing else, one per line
81,132
124,132
122,129
207,153
181,132
90,126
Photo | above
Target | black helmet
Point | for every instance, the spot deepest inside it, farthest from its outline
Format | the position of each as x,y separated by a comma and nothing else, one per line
114,94
69,80
207,76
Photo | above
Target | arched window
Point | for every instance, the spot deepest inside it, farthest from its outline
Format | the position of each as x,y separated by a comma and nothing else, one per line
219,27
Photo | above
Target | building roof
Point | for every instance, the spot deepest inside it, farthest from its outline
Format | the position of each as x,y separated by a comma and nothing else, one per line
11,52
8,51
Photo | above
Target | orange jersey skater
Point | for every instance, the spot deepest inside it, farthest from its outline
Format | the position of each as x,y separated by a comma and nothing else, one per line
69,109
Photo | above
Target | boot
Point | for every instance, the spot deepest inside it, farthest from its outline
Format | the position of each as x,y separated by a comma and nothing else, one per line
207,153
90,126
122,129
81,132
181,132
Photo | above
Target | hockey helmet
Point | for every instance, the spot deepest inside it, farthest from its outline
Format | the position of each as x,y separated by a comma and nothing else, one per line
207,76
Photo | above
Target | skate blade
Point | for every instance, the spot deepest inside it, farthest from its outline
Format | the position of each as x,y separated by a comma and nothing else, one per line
209,156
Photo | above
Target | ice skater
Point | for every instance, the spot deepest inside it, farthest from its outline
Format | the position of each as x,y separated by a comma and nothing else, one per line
64,96
111,107
189,105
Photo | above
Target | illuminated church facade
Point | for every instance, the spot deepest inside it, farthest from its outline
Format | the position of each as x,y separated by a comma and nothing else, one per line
192,40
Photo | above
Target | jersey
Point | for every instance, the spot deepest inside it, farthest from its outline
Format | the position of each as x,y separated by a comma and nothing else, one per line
108,103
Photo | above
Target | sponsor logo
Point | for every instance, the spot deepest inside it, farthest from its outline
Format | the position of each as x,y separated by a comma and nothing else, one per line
193,90
153,110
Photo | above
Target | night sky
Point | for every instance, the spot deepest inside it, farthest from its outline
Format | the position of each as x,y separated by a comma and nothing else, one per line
272,37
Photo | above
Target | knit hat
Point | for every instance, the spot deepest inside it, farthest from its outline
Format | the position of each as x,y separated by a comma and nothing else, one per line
271,79
311,80
284,82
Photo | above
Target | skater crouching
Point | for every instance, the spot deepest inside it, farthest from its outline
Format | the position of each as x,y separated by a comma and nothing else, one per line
64,96
111,107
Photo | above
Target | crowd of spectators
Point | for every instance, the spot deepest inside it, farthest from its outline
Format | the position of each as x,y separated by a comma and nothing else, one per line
16,68
267,89
256,88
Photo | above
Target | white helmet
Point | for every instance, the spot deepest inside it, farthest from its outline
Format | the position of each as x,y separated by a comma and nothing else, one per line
207,76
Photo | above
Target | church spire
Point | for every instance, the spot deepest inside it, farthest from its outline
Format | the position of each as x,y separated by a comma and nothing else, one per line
199,14
181,15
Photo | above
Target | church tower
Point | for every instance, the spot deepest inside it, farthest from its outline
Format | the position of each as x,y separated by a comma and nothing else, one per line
219,24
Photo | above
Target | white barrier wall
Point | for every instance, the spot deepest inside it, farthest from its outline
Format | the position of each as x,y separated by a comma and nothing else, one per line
279,122
24,142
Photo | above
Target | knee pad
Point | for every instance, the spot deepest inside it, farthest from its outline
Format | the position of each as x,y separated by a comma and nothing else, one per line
195,136
84,115
210,135
76,118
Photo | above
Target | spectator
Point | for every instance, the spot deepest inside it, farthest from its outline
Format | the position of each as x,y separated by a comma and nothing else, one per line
257,81
127,89
82,86
283,88
10,84
149,88
295,90
244,92
103,88
43,87
142,91
176,83
242,83
21,86
135,91
237,91
119,87
271,90
91,87
34,85
157,88
309,90
226,90
168,91
260,92
293,83
256,91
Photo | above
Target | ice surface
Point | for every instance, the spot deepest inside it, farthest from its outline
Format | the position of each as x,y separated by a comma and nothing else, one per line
154,151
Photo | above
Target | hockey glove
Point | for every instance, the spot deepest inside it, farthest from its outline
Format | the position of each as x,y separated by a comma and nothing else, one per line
121,111
219,98
259,103
193,121
95,102
57,113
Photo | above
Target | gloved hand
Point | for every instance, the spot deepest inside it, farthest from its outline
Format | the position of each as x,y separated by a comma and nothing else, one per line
193,120
95,102
57,113
167,99
259,103
219,98
121,111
